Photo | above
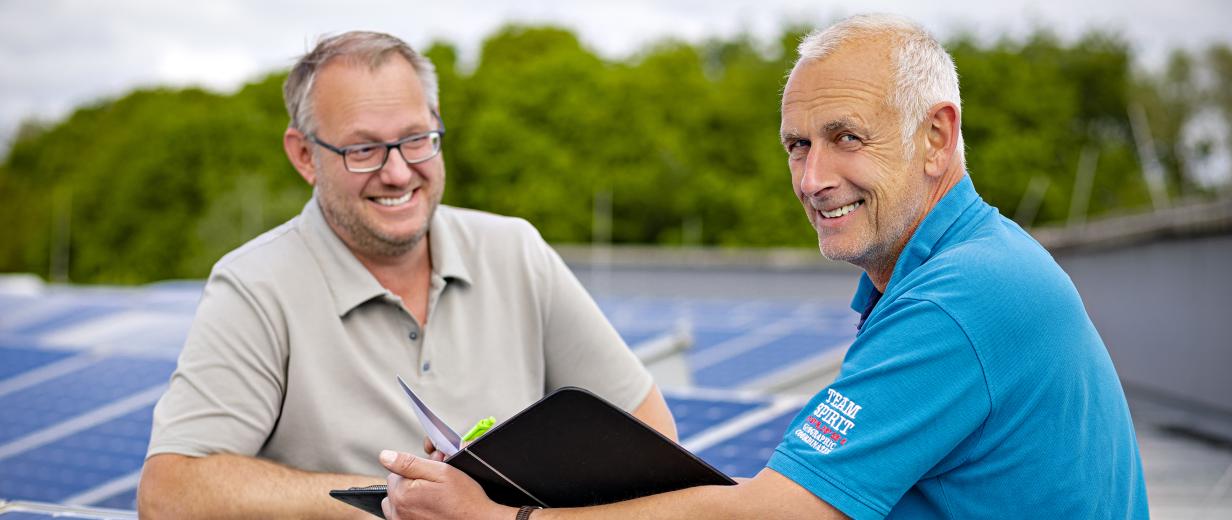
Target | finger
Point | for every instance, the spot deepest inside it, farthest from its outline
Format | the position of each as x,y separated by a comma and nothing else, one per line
392,481
429,448
388,509
413,467
437,456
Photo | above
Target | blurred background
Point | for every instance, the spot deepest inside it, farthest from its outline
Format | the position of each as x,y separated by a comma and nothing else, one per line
142,138
140,141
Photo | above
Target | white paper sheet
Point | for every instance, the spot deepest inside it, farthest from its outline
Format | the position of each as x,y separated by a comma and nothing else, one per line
446,440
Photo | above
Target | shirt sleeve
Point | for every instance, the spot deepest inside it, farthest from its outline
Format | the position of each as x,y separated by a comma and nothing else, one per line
581,348
910,393
226,393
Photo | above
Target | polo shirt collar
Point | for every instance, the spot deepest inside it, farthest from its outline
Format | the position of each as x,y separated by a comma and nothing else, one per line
447,259
348,280
928,237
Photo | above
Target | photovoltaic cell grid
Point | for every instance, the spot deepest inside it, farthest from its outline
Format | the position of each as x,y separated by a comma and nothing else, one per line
81,368
87,389
32,515
745,454
694,414
40,511
78,463
14,361
737,342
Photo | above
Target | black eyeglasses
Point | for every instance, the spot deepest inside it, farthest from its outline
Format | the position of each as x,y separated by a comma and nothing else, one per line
370,157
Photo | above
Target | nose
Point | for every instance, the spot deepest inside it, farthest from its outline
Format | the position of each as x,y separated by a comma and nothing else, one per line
818,174
396,172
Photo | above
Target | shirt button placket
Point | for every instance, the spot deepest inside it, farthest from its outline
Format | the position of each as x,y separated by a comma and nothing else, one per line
414,335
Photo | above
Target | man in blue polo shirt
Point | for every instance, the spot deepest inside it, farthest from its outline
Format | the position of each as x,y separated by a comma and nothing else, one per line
976,387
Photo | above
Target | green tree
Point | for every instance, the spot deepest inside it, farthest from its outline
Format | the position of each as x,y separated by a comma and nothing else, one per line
680,138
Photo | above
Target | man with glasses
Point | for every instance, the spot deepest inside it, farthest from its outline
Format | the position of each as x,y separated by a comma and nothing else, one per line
286,385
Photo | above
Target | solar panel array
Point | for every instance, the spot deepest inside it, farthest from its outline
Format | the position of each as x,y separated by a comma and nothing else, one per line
81,369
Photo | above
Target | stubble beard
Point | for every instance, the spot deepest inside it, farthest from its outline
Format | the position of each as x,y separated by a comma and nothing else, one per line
878,248
369,240
365,238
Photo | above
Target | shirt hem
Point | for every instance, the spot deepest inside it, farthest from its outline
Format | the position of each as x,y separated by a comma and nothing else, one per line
822,487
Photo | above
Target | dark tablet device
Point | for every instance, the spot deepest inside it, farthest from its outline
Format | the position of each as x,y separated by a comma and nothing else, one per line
569,449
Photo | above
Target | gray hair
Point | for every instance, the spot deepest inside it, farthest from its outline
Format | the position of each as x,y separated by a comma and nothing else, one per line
924,72
357,47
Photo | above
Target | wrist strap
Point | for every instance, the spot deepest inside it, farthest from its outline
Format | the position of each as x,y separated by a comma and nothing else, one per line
525,511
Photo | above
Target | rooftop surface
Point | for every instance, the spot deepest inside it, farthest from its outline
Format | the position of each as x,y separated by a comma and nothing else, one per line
81,368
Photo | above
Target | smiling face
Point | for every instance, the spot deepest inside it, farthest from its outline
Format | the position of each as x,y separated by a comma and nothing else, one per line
862,196
387,212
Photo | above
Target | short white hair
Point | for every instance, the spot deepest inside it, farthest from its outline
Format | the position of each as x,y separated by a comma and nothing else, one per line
924,72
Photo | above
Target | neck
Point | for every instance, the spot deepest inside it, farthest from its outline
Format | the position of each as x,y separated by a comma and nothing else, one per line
408,275
398,273
881,269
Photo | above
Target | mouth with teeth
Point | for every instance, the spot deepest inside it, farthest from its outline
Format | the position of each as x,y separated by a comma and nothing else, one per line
393,201
838,212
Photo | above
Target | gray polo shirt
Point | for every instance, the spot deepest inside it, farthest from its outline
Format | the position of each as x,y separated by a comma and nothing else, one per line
295,345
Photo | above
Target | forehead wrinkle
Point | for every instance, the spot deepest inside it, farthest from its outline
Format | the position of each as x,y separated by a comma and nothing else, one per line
840,83
823,97
841,123
838,119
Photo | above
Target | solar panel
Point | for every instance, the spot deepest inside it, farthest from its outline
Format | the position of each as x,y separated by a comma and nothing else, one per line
756,355
693,414
746,454
124,500
16,360
72,468
29,411
81,368
39,511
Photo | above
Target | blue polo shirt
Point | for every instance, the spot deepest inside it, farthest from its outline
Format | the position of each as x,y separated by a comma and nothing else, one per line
977,387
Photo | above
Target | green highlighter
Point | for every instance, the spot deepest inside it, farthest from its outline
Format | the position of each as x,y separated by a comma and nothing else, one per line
479,428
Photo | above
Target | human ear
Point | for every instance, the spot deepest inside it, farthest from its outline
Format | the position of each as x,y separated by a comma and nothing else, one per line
296,145
941,138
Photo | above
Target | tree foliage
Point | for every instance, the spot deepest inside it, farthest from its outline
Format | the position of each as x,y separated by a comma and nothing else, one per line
681,139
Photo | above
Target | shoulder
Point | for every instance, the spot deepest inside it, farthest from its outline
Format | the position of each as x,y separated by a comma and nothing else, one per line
278,253
996,259
1001,287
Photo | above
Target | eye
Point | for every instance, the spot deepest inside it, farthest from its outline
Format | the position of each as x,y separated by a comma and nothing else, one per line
361,152
416,143
848,141
798,148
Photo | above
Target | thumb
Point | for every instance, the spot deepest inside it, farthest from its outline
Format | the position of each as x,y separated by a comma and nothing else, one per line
410,466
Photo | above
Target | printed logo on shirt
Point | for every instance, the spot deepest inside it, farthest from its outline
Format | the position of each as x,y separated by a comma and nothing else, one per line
827,427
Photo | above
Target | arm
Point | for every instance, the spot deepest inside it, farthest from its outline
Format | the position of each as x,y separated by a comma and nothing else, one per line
233,486
654,412
421,488
220,407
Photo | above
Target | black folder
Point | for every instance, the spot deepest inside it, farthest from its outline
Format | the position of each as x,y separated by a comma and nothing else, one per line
569,449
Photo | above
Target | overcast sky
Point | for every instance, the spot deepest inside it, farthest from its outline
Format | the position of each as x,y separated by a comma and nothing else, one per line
58,54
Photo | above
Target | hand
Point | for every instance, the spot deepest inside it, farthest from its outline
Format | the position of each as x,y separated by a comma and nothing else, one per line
436,454
431,450
424,488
